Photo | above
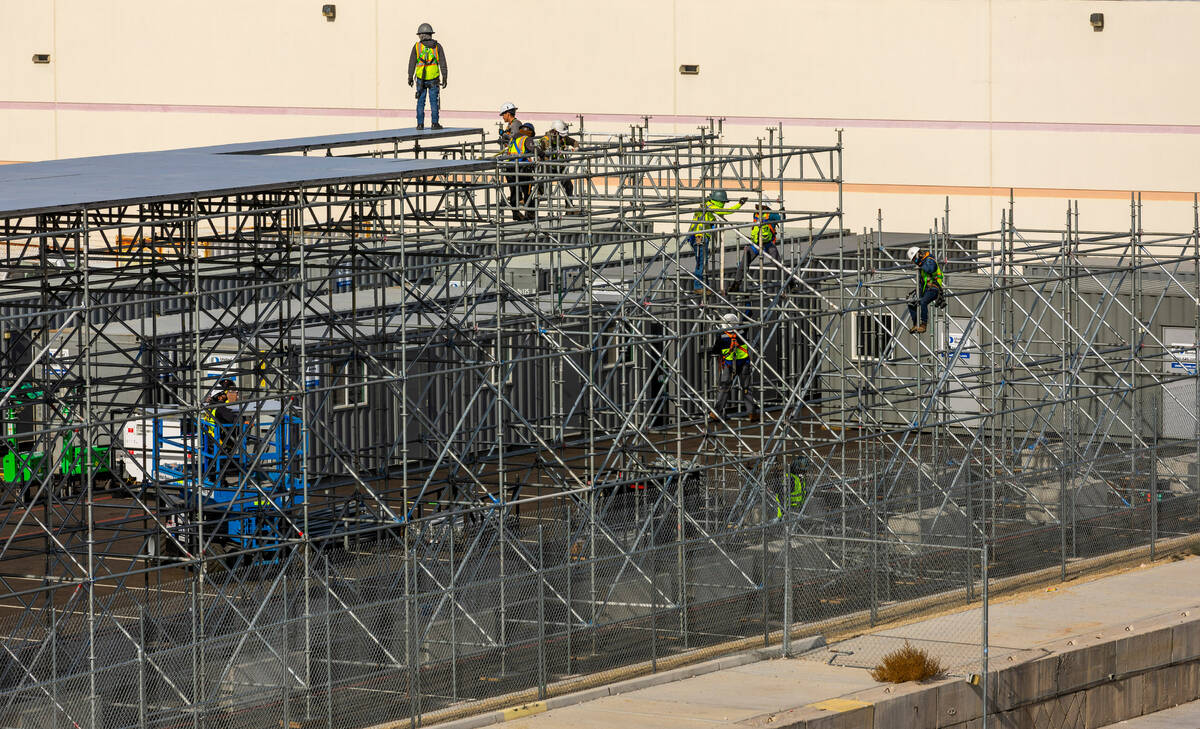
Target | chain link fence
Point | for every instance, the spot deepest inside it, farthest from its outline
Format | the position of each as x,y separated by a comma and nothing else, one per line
476,606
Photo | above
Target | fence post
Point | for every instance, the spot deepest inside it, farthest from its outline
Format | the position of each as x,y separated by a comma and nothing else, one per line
410,642
1154,481
328,650
453,622
983,677
141,661
787,586
654,600
541,614
284,677
570,603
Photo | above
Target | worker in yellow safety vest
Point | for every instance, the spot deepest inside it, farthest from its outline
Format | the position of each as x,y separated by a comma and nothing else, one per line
931,287
795,488
764,238
704,223
734,363
427,70
519,162
553,148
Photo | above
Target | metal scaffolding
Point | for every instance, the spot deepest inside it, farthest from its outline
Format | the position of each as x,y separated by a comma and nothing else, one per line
474,455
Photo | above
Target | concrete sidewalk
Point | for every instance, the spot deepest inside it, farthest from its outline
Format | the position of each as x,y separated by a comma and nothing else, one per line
1018,624
1185,716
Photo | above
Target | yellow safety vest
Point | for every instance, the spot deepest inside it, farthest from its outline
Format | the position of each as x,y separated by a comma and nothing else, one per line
735,350
934,278
427,62
519,146
553,147
704,218
795,498
763,232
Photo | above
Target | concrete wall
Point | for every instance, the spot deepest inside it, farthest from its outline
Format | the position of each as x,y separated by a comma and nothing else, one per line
937,97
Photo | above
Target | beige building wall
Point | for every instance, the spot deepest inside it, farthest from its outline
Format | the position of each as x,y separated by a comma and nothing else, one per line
964,98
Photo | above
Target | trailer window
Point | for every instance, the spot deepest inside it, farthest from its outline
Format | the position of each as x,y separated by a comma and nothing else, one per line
352,385
872,334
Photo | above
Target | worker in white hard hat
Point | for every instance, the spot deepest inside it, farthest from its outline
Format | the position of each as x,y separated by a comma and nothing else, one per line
930,287
427,70
704,221
734,362
552,148
508,114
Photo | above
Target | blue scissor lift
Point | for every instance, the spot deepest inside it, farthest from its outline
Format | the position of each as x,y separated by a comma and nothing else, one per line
240,477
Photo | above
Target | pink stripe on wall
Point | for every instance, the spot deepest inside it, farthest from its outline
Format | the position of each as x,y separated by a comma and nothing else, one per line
942,124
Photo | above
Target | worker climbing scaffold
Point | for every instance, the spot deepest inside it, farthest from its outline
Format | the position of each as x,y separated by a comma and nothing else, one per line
931,288
793,488
702,231
734,366
764,238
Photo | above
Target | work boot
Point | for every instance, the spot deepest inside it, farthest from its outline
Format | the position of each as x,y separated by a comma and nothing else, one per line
753,417
436,126
918,329
712,417
420,127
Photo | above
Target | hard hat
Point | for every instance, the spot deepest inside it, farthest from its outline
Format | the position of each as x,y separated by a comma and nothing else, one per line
528,126
227,384
508,107
720,196
730,318
559,126
912,253
425,28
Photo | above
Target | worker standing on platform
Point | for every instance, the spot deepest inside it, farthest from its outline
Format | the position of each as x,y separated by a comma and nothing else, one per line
521,150
508,114
702,230
763,239
734,363
795,488
427,69
553,147
220,421
930,287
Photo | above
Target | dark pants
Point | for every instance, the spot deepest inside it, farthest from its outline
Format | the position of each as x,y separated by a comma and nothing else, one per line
735,374
520,191
927,298
751,253
558,168
432,89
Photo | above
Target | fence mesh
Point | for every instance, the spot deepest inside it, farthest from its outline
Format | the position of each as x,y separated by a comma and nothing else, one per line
461,610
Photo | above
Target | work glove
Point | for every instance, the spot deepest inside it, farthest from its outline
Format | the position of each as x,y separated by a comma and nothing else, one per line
410,81
443,82
742,200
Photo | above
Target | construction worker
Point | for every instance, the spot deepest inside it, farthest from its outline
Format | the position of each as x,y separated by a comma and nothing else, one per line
930,287
734,362
219,420
508,114
521,150
701,231
795,488
427,69
763,237
552,148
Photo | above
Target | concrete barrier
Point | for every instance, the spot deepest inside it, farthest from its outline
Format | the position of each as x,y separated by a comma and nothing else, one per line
1087,681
